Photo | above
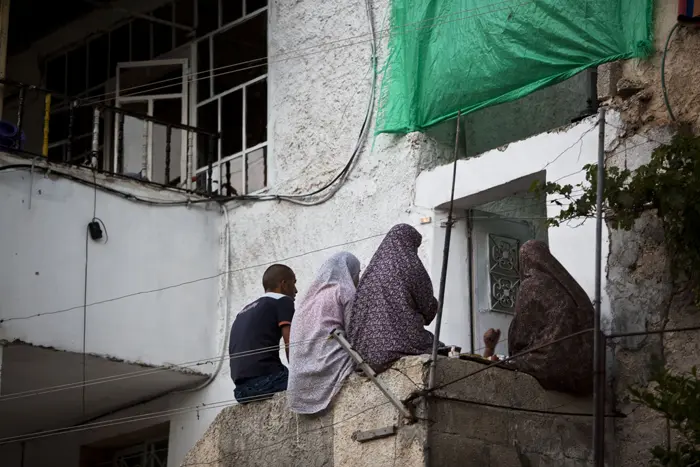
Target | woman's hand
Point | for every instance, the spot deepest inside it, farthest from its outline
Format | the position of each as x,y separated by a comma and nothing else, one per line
491,338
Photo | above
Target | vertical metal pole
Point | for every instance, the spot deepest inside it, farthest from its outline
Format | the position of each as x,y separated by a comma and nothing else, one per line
71,124
20,115
212,145
144,157
598,341
188,162
95,136
370,373
120,143
4,25
229,188
47,119
445,258
168,138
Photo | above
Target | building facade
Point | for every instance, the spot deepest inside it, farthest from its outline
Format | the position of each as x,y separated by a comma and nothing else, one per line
119,343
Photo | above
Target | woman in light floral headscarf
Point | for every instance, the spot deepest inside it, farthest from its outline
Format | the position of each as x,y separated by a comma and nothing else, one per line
394,302
318,365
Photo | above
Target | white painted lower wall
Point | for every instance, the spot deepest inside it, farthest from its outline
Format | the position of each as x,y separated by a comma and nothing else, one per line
42,269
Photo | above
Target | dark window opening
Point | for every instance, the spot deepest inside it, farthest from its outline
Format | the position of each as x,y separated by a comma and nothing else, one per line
232,123
231,10
77,67
245,42
98,57
253,5
207,16
119,47
162,33
140,40
56,74
208,120
256,114
184,15
203,67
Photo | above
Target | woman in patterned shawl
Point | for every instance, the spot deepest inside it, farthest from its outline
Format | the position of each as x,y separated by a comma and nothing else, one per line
319,365
394,302
551,305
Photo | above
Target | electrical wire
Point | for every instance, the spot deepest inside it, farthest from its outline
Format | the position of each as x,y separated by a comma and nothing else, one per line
218,275
226,307
663,73
142,373
296,199
361,138
229,402
521,409
160,414
497,363
285,56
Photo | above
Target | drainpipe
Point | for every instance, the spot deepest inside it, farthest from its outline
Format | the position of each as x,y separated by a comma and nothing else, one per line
4,25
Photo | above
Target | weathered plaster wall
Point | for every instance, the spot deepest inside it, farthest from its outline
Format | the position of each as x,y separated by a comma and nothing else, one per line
502,418
507,123
635,85
643,293
469,423
267,433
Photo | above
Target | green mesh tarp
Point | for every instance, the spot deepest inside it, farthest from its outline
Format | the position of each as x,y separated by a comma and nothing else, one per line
451,55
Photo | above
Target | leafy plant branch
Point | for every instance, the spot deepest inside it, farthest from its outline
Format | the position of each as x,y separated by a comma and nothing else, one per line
669,185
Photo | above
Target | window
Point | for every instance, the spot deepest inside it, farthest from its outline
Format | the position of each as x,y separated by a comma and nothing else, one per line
232,98
498,230
143,448
84,70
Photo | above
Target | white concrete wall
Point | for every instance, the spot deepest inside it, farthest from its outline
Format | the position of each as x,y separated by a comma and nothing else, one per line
562,154
42,266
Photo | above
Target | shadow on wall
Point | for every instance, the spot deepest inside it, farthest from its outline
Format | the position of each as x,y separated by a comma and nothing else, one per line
493,127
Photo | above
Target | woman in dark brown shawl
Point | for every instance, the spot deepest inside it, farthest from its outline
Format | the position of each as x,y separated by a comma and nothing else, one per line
551,305
394,302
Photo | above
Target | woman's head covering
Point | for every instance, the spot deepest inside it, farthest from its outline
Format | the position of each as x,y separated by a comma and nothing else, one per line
318,365
342,270
394,302
535,258
400,245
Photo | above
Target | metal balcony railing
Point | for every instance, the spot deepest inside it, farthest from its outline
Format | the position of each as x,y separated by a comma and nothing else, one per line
83,122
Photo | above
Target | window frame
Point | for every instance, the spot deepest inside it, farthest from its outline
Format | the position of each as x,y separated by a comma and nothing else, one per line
244,153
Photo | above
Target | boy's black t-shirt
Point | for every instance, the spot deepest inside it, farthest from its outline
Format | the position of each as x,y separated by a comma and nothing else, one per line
258,326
